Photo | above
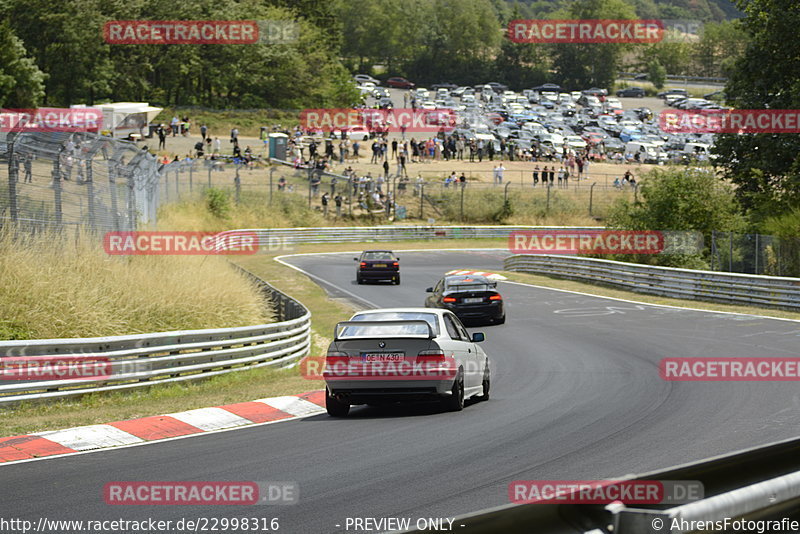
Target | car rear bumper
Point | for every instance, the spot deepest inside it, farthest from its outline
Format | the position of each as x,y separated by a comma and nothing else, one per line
484,311
375,391
378,275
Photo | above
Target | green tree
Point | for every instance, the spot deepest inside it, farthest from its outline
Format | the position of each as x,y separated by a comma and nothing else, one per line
685,200
21,81
765,167
590,65
657,73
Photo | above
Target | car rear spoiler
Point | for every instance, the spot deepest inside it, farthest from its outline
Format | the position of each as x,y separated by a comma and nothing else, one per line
416,322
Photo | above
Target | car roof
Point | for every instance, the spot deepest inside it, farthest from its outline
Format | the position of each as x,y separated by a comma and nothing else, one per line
377,250
435,311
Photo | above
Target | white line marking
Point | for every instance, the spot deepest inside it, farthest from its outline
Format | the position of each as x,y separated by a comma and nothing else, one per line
293,405
84,438
647,303
210,418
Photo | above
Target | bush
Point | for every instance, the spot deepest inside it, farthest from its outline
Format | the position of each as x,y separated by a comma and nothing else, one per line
679,200
218,203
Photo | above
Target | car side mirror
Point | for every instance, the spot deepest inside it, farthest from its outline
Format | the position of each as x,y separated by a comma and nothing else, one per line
429,290
477,337
355,259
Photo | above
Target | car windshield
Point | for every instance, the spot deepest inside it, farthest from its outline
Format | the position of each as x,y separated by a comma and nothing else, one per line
378,255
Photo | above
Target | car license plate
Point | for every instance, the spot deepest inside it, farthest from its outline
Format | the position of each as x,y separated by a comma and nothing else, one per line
473,300
383,356
379,265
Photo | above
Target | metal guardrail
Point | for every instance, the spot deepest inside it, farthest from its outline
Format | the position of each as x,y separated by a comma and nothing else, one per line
730,288
124,362
761,483
353,234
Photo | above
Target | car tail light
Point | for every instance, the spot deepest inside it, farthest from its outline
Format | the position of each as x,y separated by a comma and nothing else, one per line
363,264
395,264
449,299
334,357
495,297
435,355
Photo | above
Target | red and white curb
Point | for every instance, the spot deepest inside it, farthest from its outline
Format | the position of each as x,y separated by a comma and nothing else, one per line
159,427
491,276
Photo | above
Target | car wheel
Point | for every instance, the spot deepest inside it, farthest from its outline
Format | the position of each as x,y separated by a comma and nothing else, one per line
487,382
501,320
335,407
455,401
359,280
397,280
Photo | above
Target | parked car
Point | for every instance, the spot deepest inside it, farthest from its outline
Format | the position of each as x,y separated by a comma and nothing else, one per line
631,92
361,78
399,83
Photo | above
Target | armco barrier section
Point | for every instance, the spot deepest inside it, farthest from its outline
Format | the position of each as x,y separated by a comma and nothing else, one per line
356,234
155,358
730,288
761,483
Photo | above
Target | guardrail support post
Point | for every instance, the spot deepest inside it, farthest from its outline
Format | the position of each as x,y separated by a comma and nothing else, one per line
462,203
57,188
90,193
547,209
13,168
237,182
271,172
505,192
421,200
591,197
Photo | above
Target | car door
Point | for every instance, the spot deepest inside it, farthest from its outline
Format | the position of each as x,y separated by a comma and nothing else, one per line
477,357
462,350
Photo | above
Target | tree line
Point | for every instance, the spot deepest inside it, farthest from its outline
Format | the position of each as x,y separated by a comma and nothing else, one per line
54,54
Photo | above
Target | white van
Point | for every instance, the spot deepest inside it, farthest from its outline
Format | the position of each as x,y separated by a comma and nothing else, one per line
647,152
701,151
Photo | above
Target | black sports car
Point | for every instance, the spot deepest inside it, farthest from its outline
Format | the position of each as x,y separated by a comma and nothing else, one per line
470,297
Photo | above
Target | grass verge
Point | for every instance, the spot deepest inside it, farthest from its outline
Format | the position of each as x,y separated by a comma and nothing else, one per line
58,286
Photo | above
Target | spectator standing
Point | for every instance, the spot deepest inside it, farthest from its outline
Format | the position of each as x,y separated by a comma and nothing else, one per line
324,201
203,131
535,175
162,137
338,201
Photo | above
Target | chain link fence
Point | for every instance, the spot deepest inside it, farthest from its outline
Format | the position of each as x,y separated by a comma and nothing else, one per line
755,254
55,180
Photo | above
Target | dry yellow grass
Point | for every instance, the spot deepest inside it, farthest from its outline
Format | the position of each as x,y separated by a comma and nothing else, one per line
57,286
